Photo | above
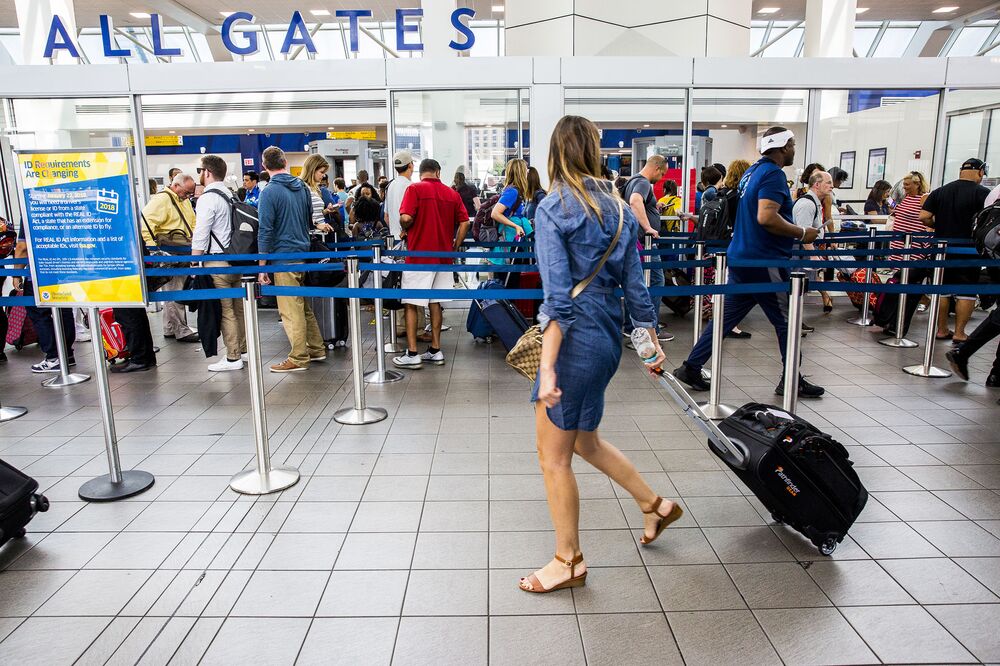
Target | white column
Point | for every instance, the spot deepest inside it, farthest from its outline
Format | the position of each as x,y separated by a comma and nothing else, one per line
830,28
436,28
546,110
34,18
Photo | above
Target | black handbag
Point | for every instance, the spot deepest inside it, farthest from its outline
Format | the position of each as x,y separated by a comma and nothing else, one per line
325,278
392,280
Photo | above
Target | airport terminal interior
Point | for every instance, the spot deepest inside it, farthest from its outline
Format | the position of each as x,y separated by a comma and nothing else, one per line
404,539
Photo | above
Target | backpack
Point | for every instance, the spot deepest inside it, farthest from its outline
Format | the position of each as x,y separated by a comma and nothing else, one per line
986,231
244,222
713,222
484,227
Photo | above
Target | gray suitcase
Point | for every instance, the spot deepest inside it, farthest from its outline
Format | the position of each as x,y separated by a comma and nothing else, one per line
331,314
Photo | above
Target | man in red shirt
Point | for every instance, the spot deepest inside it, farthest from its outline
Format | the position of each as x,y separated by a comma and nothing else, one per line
434,219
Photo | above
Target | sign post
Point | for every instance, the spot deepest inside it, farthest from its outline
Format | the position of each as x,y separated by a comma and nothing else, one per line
84,251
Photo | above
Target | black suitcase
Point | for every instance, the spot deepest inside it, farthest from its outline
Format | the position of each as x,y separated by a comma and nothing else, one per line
802,476
19,502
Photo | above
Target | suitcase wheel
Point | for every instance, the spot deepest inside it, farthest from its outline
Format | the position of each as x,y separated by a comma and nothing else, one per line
827,547
777,518
41,503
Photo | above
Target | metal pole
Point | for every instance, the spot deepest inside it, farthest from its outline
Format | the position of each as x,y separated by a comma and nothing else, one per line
381,375
360,414
865,318
117,484
647,244
714,409
65,378
904,278
793,342
925,369
699,300
265,478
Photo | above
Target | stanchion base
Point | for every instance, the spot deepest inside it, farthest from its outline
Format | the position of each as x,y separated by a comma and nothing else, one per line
899,343
102,489
716,412
351,416
858,321
11,413
387,377
932,372
252,482
393,348
71,379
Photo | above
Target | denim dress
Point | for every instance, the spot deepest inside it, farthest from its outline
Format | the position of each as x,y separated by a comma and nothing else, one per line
569,242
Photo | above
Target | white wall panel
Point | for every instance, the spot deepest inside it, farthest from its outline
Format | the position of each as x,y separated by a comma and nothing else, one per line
629,72
820,72
634,13
264,76
520,12
459,72
981,71
687,37
737,11
548,38
726,39
70,80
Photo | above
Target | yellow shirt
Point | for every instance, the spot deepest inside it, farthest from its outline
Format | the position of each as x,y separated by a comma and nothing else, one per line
163,214
671,206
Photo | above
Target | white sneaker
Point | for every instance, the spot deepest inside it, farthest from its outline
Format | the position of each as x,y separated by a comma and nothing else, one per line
225,364
409,362
444,327
48,365
437,358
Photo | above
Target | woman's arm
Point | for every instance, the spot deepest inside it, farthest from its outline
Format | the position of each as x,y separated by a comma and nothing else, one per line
548,391
500,218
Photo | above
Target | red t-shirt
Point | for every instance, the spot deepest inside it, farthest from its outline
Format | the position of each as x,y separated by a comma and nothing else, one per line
437,210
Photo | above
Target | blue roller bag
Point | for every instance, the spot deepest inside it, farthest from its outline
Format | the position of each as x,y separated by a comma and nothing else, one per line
476,323
506,320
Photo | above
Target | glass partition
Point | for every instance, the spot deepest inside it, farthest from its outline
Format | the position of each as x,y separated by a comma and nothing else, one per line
477,130
875,135
728,123
973,118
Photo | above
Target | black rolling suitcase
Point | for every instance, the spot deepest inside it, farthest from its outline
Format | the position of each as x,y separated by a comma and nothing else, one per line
802,476
19,502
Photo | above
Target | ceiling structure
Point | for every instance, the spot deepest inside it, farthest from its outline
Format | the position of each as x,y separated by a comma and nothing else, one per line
880,10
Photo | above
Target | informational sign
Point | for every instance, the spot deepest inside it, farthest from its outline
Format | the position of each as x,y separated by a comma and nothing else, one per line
362,135
80,224
165,140
248,161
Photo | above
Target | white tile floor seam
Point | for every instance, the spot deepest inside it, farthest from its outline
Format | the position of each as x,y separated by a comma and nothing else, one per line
450,480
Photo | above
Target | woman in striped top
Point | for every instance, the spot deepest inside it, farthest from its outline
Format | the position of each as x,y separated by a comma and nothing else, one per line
906,219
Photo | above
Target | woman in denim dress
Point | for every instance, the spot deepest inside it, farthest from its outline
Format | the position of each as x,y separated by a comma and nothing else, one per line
581,345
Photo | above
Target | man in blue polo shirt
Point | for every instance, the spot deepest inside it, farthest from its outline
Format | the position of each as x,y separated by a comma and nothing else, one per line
763,231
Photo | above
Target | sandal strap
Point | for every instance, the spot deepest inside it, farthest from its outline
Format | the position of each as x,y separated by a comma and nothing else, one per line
656,506
571,563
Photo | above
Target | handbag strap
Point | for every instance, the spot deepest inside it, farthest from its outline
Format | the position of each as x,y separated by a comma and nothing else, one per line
607,253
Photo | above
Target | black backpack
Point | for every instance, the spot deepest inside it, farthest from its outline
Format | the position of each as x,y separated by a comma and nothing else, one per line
713,221
244,222
986,231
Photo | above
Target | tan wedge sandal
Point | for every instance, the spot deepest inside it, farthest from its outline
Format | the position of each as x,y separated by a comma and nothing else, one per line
675,514
532,584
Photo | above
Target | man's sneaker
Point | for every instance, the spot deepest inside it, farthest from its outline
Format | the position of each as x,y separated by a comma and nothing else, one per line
993,381
806,389
48,365
663,336
806,328
225,365
287,366
437,358
958,364
444,327
414,362
318,358
691,377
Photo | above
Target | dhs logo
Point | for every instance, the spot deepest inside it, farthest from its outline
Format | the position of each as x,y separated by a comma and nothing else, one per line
46,296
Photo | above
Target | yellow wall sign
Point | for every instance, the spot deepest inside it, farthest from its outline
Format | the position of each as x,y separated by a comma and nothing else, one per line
361,135
165,140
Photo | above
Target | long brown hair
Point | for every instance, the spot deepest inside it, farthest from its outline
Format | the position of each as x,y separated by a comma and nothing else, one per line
313,164
575,155
516,176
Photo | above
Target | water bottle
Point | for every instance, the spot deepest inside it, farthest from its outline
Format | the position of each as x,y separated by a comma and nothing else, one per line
643,344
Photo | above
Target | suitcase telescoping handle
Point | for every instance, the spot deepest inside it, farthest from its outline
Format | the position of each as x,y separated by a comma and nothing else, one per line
736,452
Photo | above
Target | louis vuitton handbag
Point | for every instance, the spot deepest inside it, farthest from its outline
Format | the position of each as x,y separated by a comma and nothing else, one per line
526,355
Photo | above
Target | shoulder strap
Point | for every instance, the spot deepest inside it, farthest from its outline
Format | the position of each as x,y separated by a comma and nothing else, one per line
607,253
179,212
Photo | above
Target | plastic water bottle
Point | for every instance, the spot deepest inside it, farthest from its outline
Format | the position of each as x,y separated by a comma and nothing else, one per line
643,344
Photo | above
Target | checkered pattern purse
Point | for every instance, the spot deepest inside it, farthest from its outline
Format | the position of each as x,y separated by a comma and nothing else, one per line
526,355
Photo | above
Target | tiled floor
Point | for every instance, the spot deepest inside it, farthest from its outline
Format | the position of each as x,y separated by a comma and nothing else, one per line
404,540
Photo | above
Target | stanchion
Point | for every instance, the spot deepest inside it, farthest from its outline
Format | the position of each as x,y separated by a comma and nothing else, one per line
11,413
265,478
925,369
904,278
699,300
64,378
117,484
380,375
647,244
391,346
793,354
360,414
714,409
864,319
